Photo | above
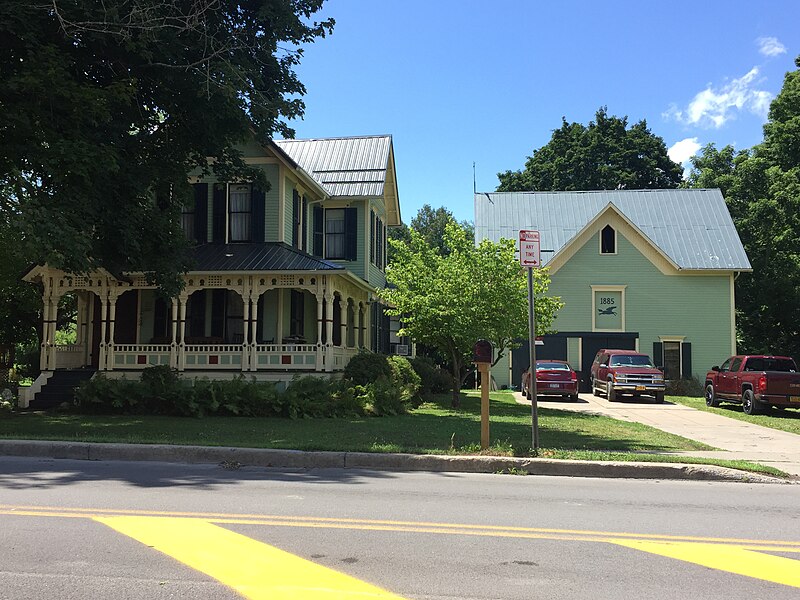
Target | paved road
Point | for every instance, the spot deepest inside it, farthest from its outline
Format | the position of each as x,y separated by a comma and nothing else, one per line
737,440
78,529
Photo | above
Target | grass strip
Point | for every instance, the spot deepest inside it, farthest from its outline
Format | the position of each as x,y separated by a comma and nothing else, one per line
784,420
433,428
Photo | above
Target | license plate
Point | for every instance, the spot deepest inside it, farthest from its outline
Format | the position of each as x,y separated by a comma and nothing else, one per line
794,398
640,388
555,385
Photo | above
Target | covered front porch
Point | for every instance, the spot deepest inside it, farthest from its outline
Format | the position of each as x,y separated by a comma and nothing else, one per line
220,322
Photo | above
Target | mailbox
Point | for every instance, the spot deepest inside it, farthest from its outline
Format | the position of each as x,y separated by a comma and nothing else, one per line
482,352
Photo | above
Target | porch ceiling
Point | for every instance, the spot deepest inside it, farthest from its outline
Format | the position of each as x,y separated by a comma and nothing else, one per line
268,256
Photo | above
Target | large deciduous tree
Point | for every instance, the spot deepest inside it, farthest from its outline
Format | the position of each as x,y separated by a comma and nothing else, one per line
449,300
605,155
762,189
107,107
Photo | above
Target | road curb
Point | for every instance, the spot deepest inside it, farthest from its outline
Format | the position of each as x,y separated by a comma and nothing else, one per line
298,459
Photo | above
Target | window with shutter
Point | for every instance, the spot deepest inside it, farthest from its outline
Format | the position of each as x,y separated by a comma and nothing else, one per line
240,213
334,233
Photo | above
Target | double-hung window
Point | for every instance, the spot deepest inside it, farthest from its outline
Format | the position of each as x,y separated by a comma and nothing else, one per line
188,220
334,233
240,212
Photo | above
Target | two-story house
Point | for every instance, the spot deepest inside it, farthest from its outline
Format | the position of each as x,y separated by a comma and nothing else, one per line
646,270
283,281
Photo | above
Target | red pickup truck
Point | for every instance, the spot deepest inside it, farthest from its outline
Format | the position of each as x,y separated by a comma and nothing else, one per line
756,382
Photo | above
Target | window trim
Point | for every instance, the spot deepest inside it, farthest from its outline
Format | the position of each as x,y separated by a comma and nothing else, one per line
342,235
229,214
608,288
614,230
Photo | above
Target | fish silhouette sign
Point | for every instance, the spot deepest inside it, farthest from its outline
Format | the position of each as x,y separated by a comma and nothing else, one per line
607,311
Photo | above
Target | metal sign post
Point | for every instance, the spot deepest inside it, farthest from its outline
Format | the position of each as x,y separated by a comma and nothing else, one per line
529,256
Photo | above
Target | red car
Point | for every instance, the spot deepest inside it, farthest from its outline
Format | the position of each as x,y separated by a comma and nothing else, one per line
553,378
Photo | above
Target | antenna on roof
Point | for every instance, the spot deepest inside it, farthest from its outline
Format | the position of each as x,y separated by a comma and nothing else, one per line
474,181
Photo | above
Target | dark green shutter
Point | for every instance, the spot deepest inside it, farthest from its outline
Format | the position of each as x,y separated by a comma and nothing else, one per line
372,236
200,212
220,209
686,360
295,218
319,236
351,233
658,354
257,216
304,233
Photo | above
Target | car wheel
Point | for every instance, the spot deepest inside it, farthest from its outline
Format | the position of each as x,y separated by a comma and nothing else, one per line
611,393
750,405
595,389
574,397
711,398
659,397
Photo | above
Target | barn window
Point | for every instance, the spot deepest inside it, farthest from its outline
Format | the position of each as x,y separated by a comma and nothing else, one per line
608,240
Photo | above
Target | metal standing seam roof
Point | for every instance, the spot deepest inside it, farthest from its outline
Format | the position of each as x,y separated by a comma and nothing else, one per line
269,256
345,166
692,227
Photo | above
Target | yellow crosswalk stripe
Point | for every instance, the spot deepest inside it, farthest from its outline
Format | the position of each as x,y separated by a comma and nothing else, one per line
733,559
252,568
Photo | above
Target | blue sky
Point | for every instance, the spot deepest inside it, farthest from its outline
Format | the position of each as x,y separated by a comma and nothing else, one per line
463,81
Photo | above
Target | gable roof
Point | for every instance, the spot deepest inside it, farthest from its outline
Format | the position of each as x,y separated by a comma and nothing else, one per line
347,166
692,228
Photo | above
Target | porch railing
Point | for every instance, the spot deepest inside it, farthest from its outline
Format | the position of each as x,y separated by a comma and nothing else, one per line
140,356
341,356
71,356
285,356
213,356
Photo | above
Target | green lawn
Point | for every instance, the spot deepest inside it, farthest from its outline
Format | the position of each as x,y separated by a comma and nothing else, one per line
785,420
434,428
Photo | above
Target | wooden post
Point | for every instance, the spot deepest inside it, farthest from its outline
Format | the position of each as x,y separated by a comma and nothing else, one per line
483,369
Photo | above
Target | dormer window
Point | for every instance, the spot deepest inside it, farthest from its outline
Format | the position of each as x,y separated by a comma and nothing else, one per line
608,240
240,212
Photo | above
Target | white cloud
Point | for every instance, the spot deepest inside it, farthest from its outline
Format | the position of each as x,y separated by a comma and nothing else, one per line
714,107
682,151
770,46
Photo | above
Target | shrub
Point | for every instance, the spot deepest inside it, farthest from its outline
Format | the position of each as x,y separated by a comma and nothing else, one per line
383,397
685,387
433,379
367,367
101,395
406,378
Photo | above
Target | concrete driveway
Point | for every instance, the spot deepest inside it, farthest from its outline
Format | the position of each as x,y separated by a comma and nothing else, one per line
737,440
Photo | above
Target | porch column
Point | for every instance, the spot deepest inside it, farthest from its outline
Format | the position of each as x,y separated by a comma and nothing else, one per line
103,325
343,314
112,298
253,332
360,330
44,354
87,320
183,300
173,347
320,303
246,333
368,326
329,333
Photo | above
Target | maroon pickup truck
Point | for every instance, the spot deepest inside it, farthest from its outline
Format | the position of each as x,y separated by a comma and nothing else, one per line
756,382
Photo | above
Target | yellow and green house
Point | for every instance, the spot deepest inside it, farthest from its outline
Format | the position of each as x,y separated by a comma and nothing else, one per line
283,281
646,270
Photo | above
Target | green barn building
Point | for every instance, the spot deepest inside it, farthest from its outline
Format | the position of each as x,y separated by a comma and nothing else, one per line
647,270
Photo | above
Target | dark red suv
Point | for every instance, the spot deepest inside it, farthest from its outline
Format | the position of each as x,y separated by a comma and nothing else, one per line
618,372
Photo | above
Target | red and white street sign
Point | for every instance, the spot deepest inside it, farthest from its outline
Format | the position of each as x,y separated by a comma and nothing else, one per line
529,248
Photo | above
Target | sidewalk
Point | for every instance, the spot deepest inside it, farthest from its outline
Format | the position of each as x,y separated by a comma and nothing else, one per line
736,439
